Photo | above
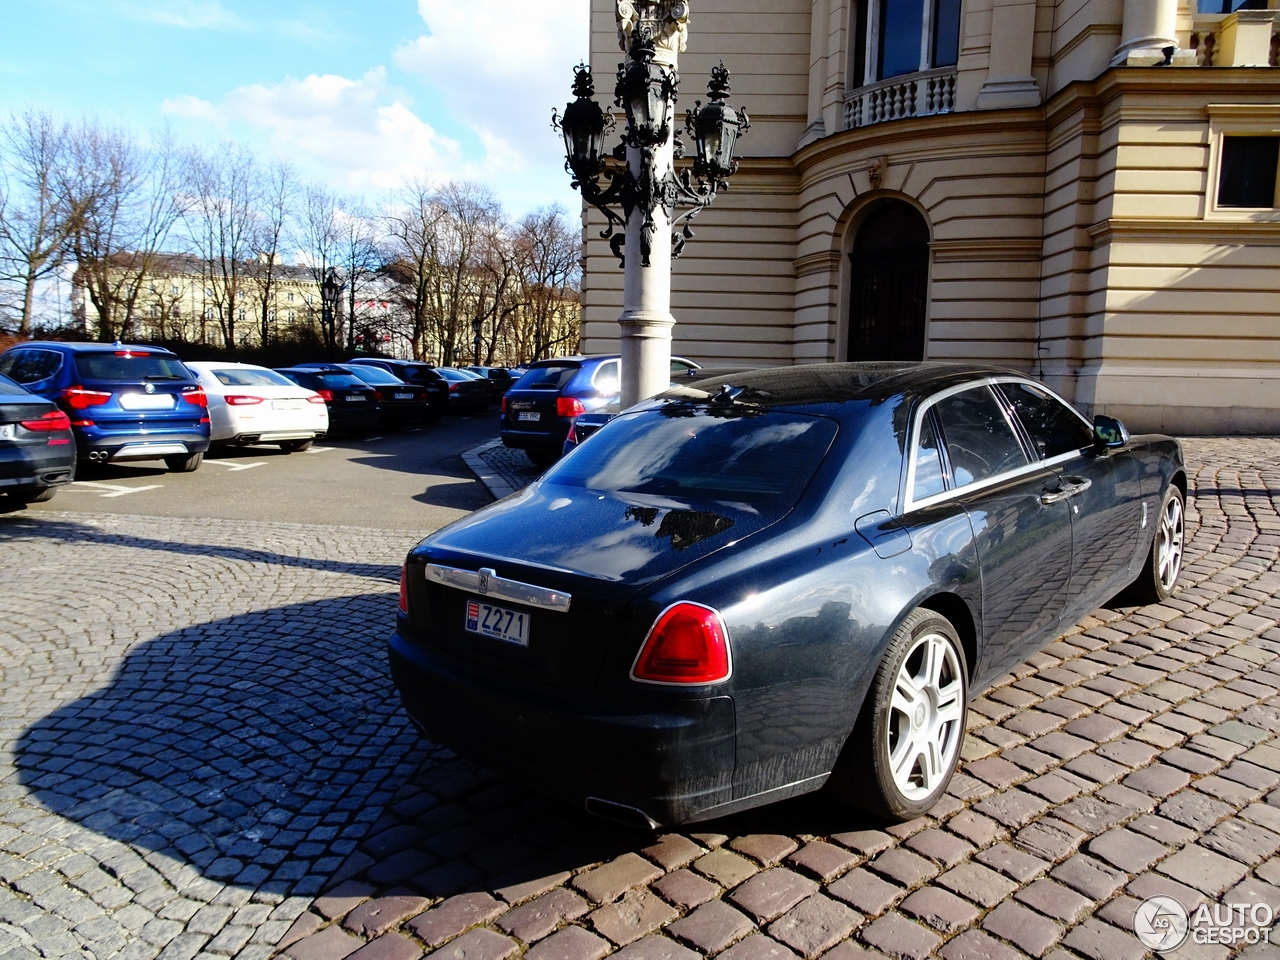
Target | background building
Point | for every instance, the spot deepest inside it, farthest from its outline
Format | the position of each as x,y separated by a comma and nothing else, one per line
1020,182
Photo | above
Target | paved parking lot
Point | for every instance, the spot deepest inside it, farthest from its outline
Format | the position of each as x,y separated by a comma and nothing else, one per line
201,756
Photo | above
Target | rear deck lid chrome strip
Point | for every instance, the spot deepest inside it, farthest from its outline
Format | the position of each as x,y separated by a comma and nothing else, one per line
487,583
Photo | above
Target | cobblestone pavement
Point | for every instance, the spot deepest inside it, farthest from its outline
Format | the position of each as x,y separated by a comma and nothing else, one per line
185,769
513,466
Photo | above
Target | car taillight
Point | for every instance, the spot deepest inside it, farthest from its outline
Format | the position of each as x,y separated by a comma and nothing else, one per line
378,396
48,422
236,400
688,644
569,407
453,387
316,398
195,396
504,406
326,396
78,398
404,591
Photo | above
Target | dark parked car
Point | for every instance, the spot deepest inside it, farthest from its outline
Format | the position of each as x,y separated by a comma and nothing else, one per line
418,373
539,410
352,403
398,402
500,378
468,393
125,402
736,594
37,448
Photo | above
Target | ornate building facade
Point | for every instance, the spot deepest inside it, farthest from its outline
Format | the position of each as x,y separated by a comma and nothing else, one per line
1082,189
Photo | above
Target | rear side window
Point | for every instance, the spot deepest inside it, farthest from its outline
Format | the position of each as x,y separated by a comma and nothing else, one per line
980,442
606,378
1052,427
766,460
375,375
31,366
130,367
340,381
251,378
928,476
546,378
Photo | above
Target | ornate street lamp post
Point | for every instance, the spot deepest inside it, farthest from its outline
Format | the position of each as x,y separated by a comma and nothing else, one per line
330,290
639,175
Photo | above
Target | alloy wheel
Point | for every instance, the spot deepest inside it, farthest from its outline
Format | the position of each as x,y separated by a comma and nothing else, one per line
1169,544
925,716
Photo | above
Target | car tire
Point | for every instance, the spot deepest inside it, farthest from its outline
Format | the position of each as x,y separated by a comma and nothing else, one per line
35,496
295,446
906,743
188,464
542,459
1159,577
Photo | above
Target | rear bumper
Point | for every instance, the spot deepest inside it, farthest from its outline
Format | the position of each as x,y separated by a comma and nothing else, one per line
670,758
36,466
105,443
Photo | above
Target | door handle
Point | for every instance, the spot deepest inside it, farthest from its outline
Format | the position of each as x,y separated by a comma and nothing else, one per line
1068,488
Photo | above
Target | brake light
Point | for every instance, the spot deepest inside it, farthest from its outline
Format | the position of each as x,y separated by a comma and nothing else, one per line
404,591
48,422
322,396
128,353
688,644
195,396
453,387
78,398
504,406
377,395
238,401
569,407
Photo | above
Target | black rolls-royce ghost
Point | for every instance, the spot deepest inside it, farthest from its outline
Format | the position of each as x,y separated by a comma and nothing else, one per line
741,591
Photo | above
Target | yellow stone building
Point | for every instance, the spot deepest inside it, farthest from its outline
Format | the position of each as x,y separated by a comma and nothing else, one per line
1084,189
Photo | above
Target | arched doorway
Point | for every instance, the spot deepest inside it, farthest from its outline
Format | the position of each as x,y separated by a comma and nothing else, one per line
890,273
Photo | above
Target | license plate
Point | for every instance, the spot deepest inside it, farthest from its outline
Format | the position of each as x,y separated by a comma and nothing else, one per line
288,404
146,401
7,431
404,396
510,626
355,399
535,417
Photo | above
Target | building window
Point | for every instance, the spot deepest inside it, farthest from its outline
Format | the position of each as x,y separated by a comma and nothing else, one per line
175,290
1248,177
892,39
289,297
155,311
177,311
208,313
241,313
290,315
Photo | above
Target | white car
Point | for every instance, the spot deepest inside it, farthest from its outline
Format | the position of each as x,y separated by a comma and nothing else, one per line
251,404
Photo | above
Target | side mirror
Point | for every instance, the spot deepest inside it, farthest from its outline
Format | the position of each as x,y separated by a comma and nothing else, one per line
1108,432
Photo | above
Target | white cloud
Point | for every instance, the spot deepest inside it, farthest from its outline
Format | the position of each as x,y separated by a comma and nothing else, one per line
357,135
502,65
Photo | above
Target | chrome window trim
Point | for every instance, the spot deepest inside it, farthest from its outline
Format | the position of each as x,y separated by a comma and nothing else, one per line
1032,467
486,583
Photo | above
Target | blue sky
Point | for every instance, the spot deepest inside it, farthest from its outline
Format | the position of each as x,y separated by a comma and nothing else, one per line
357,94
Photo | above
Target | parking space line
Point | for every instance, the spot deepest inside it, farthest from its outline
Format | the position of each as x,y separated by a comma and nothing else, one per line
113,490
319,449
371,439
232,466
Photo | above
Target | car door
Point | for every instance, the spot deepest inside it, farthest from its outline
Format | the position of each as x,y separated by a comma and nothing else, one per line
1104,493
1023,536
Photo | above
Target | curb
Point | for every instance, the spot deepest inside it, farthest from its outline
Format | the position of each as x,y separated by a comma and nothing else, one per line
496,485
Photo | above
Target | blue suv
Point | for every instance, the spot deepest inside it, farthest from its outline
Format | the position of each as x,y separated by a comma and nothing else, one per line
125,402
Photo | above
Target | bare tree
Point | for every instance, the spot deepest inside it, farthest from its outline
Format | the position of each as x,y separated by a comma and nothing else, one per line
130,197
221,221
37,217
414,231
360,257
551,283
276,192
321,244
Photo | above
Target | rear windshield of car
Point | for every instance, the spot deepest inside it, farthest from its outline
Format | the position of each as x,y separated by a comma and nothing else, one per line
130,367
375,375
767,459
457,376
251,378
338,380
546,378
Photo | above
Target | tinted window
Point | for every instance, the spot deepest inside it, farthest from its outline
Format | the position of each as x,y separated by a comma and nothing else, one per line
1052,427
250,378
980,442
130,367
766,459
928,478
375,375
338,381
546,378
29,366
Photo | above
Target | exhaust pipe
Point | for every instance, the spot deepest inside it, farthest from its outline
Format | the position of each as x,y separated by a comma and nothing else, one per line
621,813
99,456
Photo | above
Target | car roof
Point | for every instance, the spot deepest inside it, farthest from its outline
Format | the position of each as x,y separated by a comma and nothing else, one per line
837,382
77,347
224,365
586,358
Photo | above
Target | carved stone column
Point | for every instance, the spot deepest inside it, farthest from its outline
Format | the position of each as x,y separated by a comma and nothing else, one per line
646,319
1009,81
1150,28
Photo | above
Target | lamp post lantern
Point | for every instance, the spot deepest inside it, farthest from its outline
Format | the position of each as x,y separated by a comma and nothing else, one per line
330,290
639,175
